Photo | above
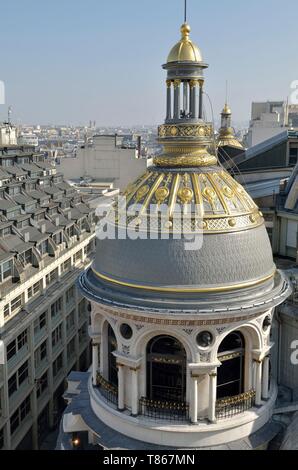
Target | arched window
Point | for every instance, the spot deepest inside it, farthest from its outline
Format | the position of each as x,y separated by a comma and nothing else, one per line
112,346
166,370
230,378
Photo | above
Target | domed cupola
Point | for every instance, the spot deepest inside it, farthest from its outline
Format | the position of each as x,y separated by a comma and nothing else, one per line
183,289
185,50
185,193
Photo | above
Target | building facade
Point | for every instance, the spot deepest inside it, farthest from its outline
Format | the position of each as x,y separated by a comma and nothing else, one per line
180,335
8,134
105,162
46,239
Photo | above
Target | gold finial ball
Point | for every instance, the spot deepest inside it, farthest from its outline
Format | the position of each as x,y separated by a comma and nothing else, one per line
185,29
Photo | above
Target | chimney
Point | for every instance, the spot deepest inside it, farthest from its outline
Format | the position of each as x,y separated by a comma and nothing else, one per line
26,237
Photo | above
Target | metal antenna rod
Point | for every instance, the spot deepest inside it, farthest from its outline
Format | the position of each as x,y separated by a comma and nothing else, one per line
185,11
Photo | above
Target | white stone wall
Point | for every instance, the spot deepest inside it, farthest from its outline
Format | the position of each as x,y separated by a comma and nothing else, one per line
40,304
104,161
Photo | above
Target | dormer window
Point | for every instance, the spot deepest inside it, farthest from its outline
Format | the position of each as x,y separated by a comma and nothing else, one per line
13,214
25,258
57,238
14,191
6,270
25,223
30,208
39,216
5,232
43,247
71,231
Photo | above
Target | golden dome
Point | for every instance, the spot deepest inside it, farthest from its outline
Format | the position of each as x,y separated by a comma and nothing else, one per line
185,50
226,110
223,205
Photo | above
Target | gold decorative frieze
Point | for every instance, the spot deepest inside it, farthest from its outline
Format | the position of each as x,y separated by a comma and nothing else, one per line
216,203
189,130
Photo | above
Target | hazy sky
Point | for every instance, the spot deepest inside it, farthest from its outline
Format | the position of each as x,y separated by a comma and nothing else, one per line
69,61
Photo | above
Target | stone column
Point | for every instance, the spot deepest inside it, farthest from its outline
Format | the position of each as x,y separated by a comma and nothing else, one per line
185,97
194,98
265,381
201,100
169,99
94,361
258,365
212,397
121,387
194,400
177,84
134,391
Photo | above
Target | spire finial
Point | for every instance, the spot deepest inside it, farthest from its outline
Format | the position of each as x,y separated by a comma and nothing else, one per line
185,11
226,91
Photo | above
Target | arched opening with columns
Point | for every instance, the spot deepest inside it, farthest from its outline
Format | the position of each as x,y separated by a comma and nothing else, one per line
112,364
231,373
166,369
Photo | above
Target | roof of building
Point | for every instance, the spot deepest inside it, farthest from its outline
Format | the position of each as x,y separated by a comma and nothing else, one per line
185,50
38,227
185,195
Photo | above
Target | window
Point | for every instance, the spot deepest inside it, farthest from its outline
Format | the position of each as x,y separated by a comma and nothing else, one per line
82,333
16,345
40,323
293,156
56,308
22,340
25,258
71,347
11,350
78,256
70,320
66,266
12,385
5,270
82,307
33,290
25,223
69,296
56,336
88,249
20,415
16,304
39,217
6,311
18,378
14,191
166,368
71,231
5,232
51,277
43,247
42,384
57,365
40,354
13,214
58,238
23,372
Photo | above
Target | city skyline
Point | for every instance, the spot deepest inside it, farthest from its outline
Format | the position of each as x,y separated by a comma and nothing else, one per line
62,66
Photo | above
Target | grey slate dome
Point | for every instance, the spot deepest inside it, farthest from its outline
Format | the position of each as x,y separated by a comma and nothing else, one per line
236,250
